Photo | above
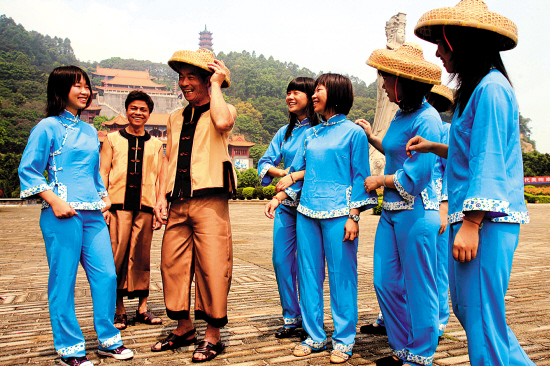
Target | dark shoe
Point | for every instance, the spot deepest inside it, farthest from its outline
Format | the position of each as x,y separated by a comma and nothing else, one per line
76,361
388,361
121,319
302,334
174,341
209,350
147,318
286,332
371,329
120,353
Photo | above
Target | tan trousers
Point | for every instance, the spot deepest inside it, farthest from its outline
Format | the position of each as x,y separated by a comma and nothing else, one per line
131,234
197,241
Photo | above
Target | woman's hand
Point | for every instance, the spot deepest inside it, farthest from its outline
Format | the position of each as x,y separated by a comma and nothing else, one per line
107,201
62,210
443,211
419,144
366,126
373,182
284,183
107,217
466,242
270,208
351,230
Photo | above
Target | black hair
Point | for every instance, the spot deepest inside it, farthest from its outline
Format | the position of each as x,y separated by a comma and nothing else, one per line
60,82
307,86
339,92
139,95
413,93
475,52
439,102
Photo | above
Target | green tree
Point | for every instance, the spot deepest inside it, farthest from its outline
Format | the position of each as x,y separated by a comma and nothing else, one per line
249,178
257,151
98,121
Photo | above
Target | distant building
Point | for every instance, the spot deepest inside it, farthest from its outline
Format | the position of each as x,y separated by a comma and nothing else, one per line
239,150
117,83
205,39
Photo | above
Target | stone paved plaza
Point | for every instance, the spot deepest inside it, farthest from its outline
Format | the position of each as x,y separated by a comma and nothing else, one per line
254,311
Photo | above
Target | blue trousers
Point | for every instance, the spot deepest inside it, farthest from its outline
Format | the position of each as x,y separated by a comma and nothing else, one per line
284,263
442,278
320,240
477,291
82,238
405,264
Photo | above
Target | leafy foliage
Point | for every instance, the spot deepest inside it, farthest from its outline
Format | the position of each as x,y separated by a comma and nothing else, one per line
536,164
248,193
249,178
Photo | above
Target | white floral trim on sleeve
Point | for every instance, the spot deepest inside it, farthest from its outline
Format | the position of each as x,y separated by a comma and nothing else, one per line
72,350
290,203
34,190
103,194
513,217
406,196
485,204
444,197
428,205
439,188
291,194
371,201
264,170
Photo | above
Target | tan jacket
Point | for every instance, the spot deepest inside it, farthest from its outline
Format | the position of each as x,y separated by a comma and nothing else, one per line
119,168
209,153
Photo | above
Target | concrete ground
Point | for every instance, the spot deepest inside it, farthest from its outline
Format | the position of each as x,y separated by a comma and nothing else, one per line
254,311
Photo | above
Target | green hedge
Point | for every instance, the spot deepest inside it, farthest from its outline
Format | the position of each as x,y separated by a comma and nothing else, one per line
239,194
248,193
531,198
378,209
269,192
259,193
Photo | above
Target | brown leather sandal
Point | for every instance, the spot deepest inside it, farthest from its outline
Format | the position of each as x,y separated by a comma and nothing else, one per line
121,319
146,318
207,349
174,341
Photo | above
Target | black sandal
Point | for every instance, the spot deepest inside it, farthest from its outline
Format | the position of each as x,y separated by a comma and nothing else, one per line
146,318
207,349
121,319
174,341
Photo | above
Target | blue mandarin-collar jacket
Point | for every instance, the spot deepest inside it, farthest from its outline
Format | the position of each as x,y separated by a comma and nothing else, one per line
413,177
335,156
484,158
68,149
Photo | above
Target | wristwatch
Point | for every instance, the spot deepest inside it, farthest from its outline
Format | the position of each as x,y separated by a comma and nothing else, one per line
354,217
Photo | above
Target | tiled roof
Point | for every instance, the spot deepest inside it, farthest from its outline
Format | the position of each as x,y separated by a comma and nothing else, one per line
100,71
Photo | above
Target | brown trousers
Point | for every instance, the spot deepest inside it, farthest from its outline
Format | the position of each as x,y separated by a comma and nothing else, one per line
131,234
197,242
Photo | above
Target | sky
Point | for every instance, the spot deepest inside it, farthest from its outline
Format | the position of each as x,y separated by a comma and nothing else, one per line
321,35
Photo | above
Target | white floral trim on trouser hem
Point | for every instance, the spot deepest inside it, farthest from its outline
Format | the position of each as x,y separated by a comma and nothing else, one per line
72,350
346,348
406,196
293,321
110,342
406,356
442,327
316,346
380,317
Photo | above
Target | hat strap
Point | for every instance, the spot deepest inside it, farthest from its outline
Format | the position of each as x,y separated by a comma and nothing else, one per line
446,40
395,91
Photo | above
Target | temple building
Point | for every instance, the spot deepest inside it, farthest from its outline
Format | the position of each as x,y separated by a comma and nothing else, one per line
239,151
116,84
205,39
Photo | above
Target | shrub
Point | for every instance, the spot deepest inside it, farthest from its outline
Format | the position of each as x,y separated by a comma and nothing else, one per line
531,198
269,192
249,178
538,190
378,209
248,193
240,193
259,193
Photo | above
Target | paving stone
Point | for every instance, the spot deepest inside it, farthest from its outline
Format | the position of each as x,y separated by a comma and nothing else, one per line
254,310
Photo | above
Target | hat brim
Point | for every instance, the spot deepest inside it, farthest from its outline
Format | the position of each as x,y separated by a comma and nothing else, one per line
174,62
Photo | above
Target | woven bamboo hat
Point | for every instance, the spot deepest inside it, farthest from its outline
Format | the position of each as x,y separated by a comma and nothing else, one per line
406,61
444,91
468,13
200,59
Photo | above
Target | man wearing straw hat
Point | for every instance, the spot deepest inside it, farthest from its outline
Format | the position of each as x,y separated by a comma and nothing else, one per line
197,178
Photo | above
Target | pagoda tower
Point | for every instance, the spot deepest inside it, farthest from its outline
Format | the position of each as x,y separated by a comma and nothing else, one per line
205,39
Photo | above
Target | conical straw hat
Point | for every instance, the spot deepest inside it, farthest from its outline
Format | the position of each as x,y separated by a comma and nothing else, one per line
406,61
200,59
468,13
444,91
